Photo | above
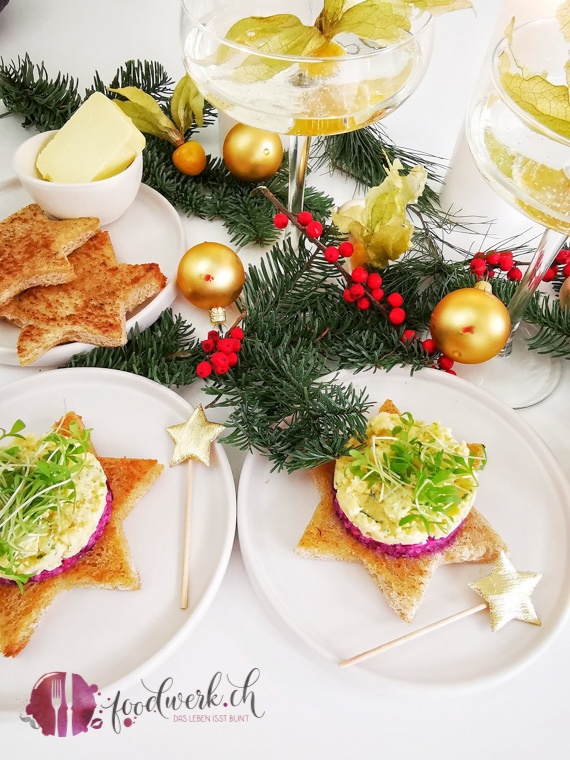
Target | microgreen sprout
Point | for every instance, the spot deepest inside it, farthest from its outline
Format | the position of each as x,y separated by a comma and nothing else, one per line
436,477
36,483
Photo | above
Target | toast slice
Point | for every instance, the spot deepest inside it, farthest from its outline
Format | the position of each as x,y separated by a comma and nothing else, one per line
34,249
402,580
92,308
107,564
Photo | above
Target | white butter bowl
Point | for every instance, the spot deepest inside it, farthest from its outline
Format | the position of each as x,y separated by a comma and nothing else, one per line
106,199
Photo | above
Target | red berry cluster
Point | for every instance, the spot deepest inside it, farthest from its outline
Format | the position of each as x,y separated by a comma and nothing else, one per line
368,285
222,352
487,264
313,228
562,260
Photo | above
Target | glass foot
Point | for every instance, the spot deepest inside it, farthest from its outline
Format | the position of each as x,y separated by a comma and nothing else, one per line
522,379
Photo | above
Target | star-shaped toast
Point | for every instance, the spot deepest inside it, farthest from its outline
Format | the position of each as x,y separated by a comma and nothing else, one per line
92,308
402,580
34,249
107,564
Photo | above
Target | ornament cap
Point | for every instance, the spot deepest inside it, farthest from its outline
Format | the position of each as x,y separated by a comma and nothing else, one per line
484,285
217,315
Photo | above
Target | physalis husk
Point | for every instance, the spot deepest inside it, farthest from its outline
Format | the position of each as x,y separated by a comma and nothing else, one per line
381,224
547,103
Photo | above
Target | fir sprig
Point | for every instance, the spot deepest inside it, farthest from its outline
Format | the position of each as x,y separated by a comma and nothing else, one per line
27,89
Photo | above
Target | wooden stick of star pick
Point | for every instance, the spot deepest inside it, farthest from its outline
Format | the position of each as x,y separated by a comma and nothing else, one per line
192,441
507,597
413,635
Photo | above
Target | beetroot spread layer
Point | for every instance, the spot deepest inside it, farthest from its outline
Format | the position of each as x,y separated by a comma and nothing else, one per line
69,562
430,546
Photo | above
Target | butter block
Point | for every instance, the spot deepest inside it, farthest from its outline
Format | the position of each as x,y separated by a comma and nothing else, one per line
98,141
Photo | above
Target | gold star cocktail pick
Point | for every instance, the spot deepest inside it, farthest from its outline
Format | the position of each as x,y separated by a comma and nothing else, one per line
507,597
192,441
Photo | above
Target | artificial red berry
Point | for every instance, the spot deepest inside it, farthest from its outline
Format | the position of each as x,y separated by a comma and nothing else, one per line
451,372
204,369
232,359
397,316
429,346
236,332
490,273
346,249
444,362
226,345
280,221
395,299
408,336
514,274
563,257
236,344
332,254
478,266
304,218
374,281
347,295
566,270
377,294
214,335
208,346
505,261
357,290
220,363
359,274
363,303
314,229
493,258
550,273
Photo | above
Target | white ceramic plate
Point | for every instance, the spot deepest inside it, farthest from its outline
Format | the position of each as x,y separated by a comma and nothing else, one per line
335,608
149,231
112,638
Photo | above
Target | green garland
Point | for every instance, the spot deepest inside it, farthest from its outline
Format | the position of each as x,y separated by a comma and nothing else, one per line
298,327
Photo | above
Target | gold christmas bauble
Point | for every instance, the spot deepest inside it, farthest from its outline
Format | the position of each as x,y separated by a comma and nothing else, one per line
251,154
210,275
470,325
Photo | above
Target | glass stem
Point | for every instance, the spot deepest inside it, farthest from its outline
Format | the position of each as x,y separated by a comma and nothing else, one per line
550,243
299,148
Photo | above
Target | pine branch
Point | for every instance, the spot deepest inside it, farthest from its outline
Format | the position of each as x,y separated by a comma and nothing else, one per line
149,76
45,103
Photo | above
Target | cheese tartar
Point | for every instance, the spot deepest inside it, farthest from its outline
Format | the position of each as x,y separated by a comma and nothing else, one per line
408,481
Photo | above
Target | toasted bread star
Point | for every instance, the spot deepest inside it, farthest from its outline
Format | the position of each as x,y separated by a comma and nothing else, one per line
92,308
402,580
34,249
107,564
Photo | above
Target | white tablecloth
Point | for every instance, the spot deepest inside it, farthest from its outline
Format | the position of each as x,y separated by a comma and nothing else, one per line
310,710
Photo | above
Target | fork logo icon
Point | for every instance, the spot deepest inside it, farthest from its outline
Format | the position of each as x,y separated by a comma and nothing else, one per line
62,704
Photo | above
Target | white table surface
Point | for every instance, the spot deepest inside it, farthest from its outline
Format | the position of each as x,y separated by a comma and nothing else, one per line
310,708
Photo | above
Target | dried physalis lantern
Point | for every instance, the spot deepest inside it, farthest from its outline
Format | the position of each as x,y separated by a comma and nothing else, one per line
211,276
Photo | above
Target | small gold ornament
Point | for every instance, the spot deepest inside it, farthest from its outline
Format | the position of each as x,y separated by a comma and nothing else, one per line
211,276
470,325
251,154
193,438
507,592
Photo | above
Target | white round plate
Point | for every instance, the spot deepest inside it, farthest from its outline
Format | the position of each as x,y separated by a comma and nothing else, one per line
112,638
150,231
336,609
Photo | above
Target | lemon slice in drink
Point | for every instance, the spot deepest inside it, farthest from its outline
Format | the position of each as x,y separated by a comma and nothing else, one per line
547,187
